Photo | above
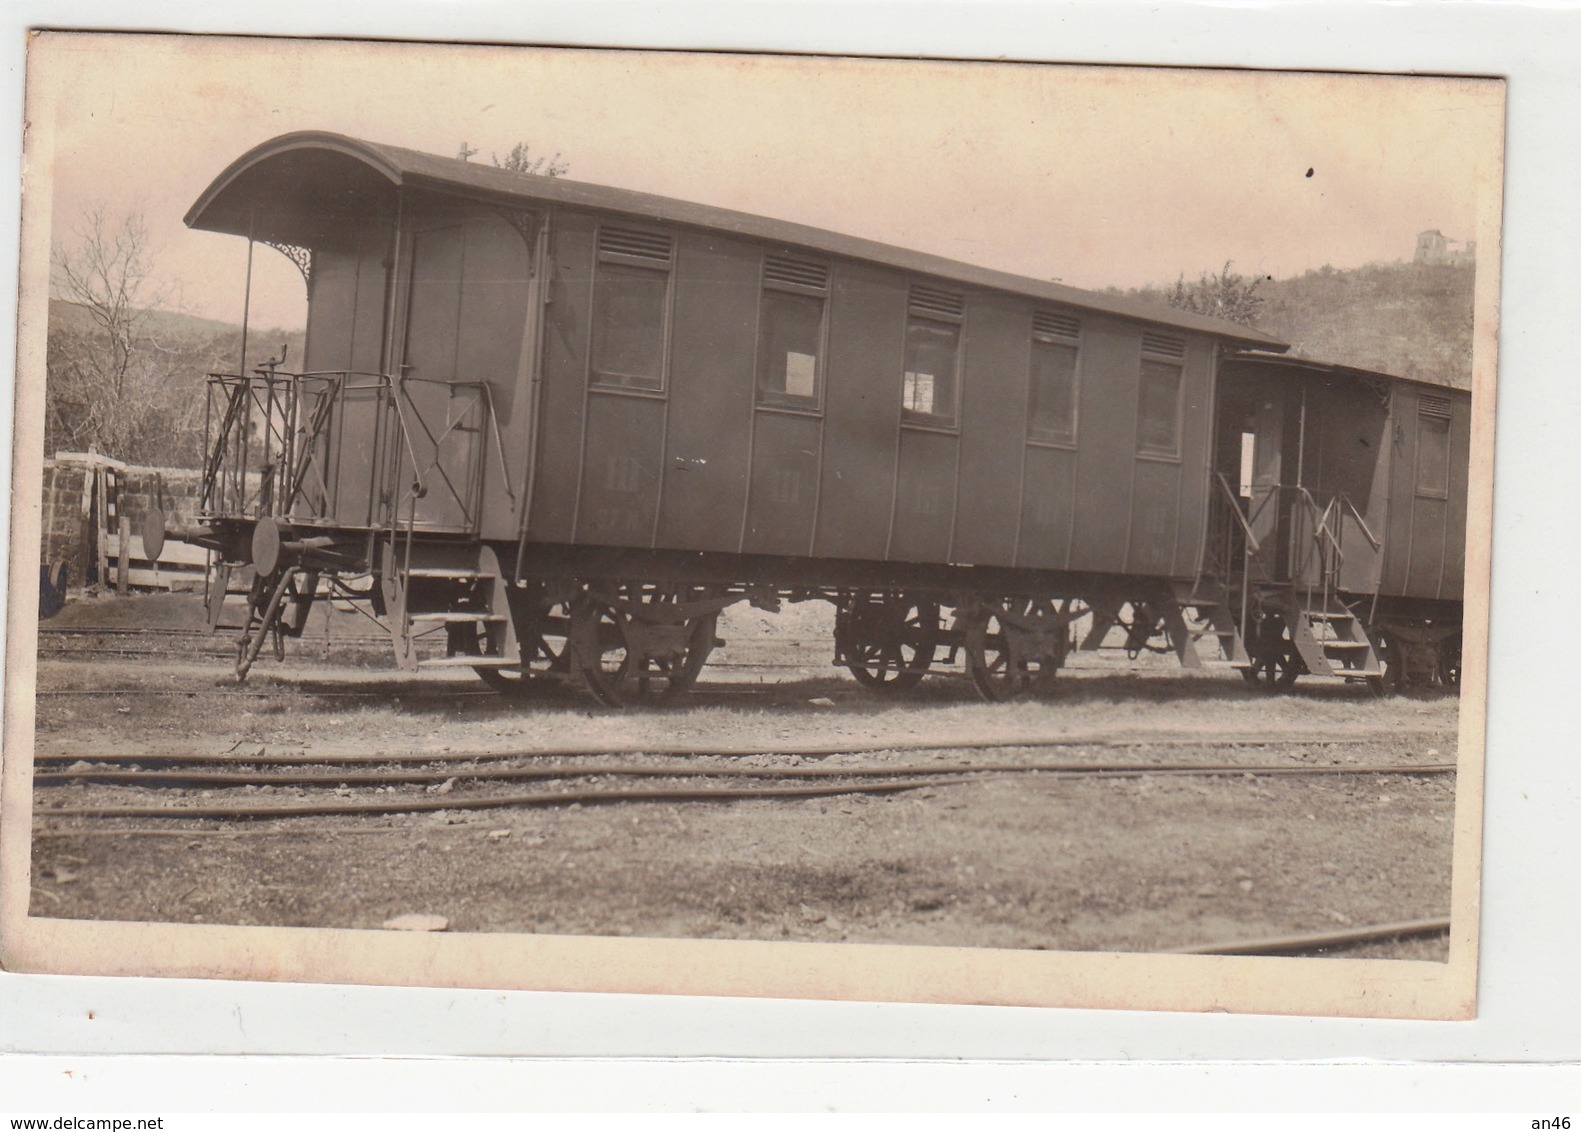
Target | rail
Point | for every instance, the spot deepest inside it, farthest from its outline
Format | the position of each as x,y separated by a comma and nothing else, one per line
478,783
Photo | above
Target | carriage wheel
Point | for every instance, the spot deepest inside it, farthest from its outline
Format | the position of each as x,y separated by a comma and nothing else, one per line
1391,681
543,657
1382,684
889,643
1274,667
636,649
1014,648
464,638
542,631
598,649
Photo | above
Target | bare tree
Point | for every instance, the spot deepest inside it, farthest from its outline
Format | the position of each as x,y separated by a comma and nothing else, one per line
107,273
109,383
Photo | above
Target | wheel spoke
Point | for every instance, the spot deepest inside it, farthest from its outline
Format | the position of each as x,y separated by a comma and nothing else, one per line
645,652
887,643
1014,647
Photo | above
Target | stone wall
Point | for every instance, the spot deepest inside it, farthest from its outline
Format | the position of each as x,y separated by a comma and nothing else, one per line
84,495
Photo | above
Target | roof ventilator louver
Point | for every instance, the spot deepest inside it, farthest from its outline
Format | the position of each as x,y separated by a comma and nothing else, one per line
1056,325
1164,345
628,242
930,301
797,272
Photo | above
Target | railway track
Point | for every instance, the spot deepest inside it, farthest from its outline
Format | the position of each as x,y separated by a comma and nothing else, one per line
824,749
408,782
261,796
246,795
247,799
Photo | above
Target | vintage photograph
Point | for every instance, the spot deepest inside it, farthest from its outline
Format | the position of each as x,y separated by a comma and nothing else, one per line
752,524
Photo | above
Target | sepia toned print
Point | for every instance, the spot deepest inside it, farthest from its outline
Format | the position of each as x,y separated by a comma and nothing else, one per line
752,525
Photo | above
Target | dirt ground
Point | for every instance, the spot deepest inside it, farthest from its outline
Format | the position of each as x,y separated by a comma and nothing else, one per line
1142,863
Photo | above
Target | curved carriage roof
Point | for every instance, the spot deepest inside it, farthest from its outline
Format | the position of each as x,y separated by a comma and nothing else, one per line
1297,365
333,173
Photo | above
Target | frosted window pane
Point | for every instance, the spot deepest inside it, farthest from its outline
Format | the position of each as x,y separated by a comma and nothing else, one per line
801,371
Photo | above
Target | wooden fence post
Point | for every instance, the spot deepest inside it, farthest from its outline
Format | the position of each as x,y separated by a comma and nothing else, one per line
123,567
101,530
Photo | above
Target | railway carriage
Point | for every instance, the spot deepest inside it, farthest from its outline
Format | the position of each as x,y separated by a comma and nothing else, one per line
560,427
1347,533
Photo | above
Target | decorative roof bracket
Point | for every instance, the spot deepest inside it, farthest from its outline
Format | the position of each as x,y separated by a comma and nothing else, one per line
525,223
302,257
1381,389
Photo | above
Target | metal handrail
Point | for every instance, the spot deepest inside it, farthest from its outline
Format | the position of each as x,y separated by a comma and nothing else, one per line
304,459
1322,532
438,441
216,458
419,488
499,443
1235,509
1344,500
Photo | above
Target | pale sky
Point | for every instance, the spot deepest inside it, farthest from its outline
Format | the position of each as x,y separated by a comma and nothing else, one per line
1094,176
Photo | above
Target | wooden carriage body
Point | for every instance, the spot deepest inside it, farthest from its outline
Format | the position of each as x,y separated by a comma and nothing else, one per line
524,395
630,371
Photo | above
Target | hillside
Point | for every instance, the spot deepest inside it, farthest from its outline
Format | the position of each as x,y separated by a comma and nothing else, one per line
1409,319
163,326
156,416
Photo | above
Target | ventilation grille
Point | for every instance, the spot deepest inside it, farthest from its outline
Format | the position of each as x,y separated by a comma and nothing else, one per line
1056,325
799,272
932,301
1164,345
1430,406
627,241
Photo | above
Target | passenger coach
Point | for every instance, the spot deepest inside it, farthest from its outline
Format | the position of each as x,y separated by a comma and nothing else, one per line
555,428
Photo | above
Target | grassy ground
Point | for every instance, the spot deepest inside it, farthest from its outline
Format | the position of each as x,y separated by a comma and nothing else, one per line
1144,863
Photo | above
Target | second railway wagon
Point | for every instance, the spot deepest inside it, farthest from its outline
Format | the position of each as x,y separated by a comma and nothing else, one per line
559,427
1340,519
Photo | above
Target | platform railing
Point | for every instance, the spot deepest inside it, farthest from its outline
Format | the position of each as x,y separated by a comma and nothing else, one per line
1315,541
277,448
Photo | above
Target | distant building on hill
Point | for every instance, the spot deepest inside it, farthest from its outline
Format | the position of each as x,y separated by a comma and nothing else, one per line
1433,247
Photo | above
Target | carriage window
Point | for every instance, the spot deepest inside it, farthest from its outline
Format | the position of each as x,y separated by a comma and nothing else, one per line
933,349
790,332
631,286
1051,407
1158,400
1432,447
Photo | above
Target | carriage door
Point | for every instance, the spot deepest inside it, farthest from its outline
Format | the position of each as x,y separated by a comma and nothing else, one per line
442,411
1266,505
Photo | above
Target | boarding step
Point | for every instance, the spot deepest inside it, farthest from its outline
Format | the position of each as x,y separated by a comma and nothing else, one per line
458,616
1202,601
1209,598
458,587
1332,640
500,662
449,573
